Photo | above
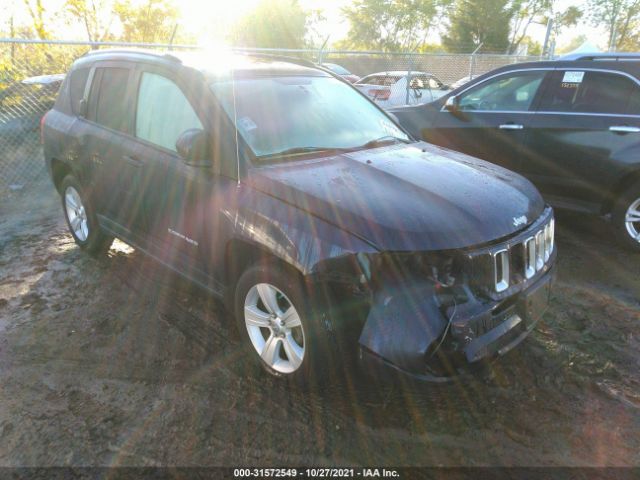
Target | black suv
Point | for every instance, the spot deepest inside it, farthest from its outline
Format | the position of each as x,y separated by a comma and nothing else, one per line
571,126
281,189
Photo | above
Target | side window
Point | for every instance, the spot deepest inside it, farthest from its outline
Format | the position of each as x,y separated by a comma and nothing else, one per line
575,91
511,92
163,112
110,99
77,82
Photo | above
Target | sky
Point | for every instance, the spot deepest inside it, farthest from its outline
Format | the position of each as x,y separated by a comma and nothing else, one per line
209,19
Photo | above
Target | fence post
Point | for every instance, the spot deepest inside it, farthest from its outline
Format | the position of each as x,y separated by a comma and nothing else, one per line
410,68
472,61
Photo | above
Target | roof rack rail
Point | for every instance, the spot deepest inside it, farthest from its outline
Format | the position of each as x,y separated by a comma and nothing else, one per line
140,51
612,56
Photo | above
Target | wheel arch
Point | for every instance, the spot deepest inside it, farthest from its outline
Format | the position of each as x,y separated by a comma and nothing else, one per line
621,185
59,170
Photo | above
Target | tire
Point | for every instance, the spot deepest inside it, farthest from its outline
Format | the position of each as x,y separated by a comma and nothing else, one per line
627,208
81,218
289,345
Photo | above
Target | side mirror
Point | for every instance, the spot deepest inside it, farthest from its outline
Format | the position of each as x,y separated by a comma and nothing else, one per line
445,87
193,146
452,104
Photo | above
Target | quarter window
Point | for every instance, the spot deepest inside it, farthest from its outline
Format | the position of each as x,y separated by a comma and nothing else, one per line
590,92
111,104
77,83
163,112
509,93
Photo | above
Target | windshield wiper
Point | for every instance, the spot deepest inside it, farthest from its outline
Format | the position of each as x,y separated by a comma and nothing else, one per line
297,150
382,141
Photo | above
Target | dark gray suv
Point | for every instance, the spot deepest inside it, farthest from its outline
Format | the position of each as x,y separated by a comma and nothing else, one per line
319,222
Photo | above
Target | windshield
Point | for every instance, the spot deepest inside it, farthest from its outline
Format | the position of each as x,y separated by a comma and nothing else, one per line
276,115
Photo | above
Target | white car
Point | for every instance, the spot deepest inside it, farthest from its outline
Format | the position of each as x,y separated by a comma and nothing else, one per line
463,81
392,89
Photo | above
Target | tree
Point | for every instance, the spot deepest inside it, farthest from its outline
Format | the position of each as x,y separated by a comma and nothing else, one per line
391,25
525,13
96,16
37,14
621,18
272,24
153,21
479,22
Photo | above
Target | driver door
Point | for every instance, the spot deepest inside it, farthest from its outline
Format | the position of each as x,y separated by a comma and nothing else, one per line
491,119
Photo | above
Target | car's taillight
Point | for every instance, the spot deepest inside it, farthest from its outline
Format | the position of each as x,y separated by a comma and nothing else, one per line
42,127
380,93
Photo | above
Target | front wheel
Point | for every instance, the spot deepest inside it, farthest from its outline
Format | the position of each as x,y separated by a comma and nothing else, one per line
275,319
81,218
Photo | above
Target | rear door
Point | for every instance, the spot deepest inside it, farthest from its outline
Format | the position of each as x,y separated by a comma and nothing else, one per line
492,117
577,142
107,141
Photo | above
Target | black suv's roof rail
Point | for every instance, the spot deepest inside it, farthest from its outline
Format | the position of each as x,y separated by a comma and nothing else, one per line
623,57
150,53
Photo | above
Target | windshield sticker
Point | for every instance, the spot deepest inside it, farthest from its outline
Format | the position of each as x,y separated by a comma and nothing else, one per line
246,124
573,77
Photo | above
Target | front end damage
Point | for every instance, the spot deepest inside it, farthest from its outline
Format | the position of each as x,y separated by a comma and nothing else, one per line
431,315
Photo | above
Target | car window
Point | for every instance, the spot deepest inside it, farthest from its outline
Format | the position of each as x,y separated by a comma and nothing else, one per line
380,80
576,91
111,102
276,114
511,92
163,112
77,84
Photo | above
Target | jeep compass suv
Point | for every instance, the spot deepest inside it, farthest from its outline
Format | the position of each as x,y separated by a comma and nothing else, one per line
282,190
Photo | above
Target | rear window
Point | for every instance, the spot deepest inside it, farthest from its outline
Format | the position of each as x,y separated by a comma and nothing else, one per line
380,80
77,82
111,107
590,92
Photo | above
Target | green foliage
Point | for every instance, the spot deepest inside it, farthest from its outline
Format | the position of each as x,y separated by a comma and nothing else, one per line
479,22
391,25
96,16
272,24
621,18
153,21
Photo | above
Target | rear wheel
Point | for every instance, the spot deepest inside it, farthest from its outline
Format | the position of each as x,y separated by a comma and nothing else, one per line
81,218
626,217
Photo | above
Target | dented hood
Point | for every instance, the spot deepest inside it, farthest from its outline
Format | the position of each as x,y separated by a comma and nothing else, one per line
407,197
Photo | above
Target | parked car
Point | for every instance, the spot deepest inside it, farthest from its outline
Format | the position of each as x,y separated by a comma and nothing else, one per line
323,203
390,89
463,81
23,104
343,72
571,126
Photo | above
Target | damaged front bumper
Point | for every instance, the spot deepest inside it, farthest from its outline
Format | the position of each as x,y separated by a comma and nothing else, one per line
411,330
477,332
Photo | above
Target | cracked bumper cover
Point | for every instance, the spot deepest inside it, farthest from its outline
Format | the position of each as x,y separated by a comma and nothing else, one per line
405,323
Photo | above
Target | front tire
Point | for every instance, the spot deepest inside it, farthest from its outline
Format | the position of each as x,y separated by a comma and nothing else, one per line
626,217
275,320
81,218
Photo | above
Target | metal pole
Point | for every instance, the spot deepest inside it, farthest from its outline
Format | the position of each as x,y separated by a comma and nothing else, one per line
547,36
408,80
472,61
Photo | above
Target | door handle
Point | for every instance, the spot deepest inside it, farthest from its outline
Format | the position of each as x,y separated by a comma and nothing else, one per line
624,129
511,126
133,161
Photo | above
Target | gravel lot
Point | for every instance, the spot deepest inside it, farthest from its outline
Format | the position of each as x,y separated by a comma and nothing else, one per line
117,362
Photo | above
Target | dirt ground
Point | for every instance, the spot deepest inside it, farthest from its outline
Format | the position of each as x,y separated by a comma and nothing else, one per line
115,362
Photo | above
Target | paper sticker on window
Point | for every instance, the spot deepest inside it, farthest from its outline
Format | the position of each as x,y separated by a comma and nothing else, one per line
246,124
573,77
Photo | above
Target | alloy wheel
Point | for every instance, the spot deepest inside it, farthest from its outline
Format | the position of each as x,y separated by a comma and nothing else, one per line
274,327
632,220
76,214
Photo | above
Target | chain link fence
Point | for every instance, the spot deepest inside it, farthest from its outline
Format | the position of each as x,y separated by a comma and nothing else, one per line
31,72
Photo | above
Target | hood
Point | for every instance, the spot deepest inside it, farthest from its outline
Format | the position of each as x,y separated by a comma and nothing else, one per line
407,197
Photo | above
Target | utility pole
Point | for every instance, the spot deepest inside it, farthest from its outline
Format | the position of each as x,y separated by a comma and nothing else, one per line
547,37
